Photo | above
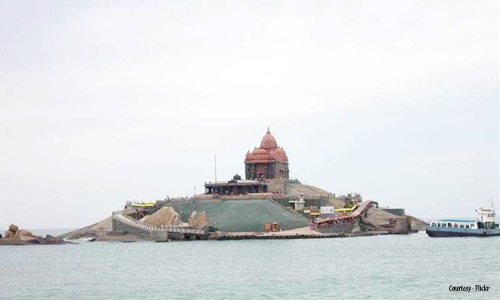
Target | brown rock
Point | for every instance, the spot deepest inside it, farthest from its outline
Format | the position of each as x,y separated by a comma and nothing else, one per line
417,224
166,216
198,220
13,228
9,234
27,238
379,218
25,233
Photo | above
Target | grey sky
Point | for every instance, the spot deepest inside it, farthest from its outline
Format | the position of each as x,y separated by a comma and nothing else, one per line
108,101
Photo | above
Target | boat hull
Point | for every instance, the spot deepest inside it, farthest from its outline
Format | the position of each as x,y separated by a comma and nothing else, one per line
460,233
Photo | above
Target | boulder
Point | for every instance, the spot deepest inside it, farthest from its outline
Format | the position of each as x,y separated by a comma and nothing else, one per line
27,238
13,228
198,220
165,216
380,219
22,232
417,224
9,234
15,236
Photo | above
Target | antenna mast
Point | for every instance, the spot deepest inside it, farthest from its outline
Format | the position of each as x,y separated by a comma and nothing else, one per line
215,161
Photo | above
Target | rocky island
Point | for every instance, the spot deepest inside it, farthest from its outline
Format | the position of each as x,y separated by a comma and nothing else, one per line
16,236
266,204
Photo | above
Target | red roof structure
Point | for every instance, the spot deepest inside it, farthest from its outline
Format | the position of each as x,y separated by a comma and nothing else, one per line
268,161
267,152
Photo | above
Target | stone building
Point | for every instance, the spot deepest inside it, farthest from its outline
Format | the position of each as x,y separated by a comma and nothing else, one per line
266,162
236,186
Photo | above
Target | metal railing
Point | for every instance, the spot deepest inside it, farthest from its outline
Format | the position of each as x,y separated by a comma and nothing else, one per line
338,221
136,224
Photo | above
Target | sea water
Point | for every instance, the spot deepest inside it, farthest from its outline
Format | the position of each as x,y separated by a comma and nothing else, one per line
378,267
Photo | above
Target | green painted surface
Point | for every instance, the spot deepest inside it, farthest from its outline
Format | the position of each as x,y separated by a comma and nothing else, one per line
242,215
339,229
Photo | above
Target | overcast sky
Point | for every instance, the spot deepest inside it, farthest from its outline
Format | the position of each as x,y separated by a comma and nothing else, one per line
108,101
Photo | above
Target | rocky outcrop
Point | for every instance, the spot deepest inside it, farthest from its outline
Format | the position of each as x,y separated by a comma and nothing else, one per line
379,220
9,234
335,202
308,191
198,220
278,186
23,232
25,235
50,240
165,216
95,230
14,236
416,224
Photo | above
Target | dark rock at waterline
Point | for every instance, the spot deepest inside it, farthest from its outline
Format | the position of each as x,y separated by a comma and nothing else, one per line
50,240
37,240
15,236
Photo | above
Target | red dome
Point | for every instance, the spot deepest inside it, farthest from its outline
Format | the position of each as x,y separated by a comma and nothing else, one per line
259,151
273,154
282,154
268,141
267,152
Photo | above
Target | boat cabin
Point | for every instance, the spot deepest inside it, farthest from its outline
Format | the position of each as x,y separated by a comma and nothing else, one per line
455,224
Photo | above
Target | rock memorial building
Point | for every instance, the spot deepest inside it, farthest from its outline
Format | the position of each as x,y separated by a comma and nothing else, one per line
266,162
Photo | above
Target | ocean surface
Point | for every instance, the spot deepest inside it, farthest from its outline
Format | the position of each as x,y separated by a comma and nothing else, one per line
379,267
